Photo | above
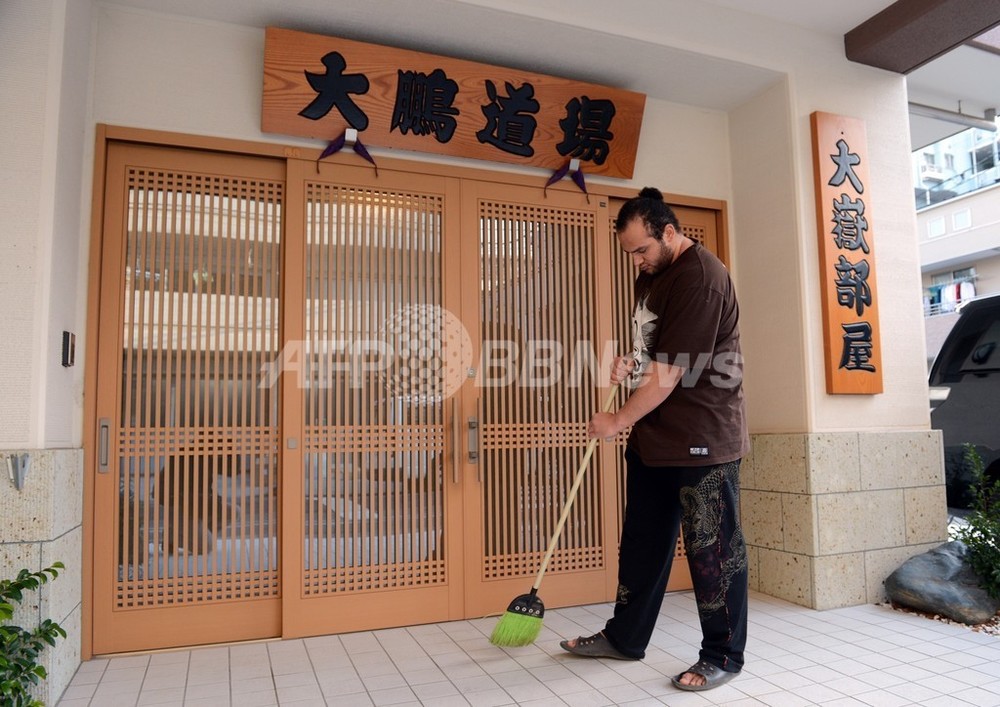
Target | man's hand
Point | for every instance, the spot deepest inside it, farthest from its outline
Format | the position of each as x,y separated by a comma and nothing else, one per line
658,382
604,424
621,369
608,424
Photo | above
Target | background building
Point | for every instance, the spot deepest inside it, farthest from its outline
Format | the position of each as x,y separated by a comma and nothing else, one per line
958,224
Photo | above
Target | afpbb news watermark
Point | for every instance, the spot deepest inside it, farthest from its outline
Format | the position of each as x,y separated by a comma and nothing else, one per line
424,352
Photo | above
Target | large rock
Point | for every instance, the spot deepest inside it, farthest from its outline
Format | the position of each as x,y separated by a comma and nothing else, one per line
942,582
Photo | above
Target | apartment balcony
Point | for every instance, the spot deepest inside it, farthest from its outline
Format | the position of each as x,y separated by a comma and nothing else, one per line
937,188
930,173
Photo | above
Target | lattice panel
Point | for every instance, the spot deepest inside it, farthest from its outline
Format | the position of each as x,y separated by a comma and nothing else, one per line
373,504
537,315
198,472
695,233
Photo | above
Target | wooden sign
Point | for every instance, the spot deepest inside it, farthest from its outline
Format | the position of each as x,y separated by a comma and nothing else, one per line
317,86
847,239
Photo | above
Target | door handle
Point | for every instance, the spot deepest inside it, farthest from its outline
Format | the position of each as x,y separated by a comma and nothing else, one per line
473,440
103,440
455,437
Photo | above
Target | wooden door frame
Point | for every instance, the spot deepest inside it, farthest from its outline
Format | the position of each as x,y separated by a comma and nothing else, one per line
106,134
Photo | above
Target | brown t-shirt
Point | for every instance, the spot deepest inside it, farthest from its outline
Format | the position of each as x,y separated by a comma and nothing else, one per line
687,315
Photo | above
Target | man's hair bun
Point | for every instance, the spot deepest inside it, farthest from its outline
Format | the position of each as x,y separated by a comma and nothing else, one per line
651,210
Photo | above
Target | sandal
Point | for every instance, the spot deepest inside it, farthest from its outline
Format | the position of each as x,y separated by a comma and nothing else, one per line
596,646
713,674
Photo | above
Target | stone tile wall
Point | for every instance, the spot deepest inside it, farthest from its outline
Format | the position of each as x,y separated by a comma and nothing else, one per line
829,516
41,524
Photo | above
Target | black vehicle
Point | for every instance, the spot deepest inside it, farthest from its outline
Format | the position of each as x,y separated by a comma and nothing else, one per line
965,395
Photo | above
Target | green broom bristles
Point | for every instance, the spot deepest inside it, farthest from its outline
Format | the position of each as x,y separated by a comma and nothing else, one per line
516,630
521,623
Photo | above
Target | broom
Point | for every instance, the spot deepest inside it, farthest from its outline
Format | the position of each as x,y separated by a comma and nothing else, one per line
522,622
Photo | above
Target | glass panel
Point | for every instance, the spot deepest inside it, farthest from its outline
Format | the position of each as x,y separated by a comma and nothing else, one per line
198,476
539,370
373,506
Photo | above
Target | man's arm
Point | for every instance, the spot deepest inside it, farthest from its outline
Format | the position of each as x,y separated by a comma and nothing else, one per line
658,382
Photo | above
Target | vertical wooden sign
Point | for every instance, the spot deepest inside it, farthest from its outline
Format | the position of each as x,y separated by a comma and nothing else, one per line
847,239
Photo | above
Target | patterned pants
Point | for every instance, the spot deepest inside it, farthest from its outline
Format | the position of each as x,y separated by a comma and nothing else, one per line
704,502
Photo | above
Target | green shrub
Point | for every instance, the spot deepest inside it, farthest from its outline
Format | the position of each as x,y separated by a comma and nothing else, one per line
20,648
982,534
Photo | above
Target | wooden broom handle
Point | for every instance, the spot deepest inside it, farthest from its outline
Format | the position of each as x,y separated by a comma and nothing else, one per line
572,495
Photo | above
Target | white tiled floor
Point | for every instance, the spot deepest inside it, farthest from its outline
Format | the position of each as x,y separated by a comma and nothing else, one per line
865,655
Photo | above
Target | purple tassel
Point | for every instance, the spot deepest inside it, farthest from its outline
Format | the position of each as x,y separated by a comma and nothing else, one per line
577,177
557,175
337,144
363,151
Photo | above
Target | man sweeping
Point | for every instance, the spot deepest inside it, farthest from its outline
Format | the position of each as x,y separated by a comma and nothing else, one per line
683,456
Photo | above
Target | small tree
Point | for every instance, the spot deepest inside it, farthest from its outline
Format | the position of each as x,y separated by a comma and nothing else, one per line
982,534
20,648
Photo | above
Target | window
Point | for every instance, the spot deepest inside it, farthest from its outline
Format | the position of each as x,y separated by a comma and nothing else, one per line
964,275
947,278
935,227
961,220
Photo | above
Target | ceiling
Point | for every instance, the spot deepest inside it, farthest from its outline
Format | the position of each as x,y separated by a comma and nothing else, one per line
600,42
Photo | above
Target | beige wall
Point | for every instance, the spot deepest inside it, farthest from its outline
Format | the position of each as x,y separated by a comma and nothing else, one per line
44,79
982,207
769,264
988,273
26,36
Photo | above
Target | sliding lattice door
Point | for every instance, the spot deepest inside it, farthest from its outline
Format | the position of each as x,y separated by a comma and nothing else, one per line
370,482
541,319
186,530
